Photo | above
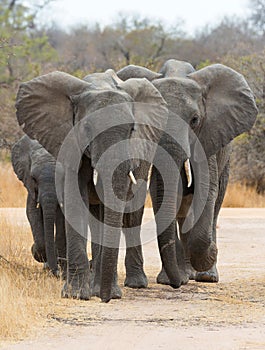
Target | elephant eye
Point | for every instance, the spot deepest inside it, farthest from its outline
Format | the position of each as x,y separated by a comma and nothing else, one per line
195,121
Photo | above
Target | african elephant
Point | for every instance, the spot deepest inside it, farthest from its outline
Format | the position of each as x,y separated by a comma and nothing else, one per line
35,167
215,104
104,126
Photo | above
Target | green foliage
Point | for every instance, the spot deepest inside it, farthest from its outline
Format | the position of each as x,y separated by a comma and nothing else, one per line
23,54
203,64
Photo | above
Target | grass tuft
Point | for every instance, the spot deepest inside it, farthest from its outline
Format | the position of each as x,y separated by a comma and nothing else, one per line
242,196
27,293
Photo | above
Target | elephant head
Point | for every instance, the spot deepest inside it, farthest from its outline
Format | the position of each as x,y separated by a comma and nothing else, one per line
95,116
216,104
35,167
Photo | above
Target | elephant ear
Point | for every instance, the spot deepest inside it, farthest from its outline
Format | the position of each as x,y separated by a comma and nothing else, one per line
133,71
150,109
229,105
21,162
45,109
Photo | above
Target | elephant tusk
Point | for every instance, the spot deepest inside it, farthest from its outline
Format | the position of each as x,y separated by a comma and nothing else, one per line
38,205
61,204
133,179
149,177
95,177
188,172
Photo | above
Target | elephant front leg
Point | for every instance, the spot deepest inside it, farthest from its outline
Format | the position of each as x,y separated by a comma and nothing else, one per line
76,225
135,275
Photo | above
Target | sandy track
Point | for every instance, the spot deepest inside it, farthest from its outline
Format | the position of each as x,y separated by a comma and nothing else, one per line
227,315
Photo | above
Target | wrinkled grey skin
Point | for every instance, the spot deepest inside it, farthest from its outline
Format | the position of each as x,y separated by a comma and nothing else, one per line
35,167
217,105
66,115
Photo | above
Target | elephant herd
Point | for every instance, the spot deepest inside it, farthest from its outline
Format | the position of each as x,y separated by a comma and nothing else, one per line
92,147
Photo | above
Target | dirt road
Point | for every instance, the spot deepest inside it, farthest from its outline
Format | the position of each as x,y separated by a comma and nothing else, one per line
227,315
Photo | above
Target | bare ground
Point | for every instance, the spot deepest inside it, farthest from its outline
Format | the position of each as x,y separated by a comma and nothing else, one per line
227,315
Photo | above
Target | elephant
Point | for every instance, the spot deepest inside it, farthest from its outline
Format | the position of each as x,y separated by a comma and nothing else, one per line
35,167
216,105
104,132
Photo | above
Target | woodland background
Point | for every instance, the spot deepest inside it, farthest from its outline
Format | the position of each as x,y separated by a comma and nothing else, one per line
29,48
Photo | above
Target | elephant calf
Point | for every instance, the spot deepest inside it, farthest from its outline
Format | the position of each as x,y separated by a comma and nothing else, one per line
35,167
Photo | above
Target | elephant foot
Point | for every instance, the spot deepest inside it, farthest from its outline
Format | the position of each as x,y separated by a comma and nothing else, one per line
78,288
162,277
136,280
210,276
116,292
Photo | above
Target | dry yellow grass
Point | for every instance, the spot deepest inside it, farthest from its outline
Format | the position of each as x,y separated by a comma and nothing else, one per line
241,196
27,293
12,192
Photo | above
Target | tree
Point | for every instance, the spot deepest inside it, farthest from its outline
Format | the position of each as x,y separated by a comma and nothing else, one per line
24,53
247,161
257,17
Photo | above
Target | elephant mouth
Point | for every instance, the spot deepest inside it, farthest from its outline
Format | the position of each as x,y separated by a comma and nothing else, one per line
187,168
130,174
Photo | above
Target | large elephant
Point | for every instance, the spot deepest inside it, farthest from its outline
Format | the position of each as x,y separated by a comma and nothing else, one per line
215,104
35,167
95,124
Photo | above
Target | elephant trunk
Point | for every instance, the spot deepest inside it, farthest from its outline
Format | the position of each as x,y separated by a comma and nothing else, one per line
115,195
110,251
164,203
49,205
202,248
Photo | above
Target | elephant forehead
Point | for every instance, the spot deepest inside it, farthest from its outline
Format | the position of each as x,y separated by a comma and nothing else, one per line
91,101
178,87
118,119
